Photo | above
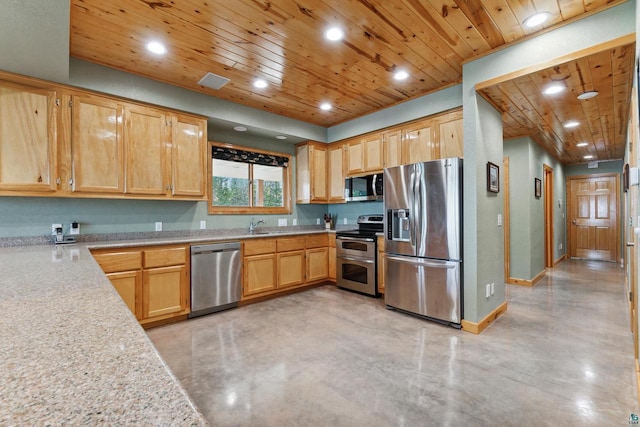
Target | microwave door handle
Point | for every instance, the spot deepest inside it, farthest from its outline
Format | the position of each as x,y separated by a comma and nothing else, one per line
373,185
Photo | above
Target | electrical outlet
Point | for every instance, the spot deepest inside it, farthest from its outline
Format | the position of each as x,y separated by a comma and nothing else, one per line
488,291
294,221
344,221
158,226
317,221
560,246
493,288
75,228
282,222
54,229
203,225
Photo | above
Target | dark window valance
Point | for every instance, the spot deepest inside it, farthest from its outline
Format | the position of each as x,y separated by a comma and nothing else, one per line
233,155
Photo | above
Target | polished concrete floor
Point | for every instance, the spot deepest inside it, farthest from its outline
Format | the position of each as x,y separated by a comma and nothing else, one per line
562,355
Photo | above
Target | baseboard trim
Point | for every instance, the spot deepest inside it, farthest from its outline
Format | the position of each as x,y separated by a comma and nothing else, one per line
638,379
526,282
477,328
559,260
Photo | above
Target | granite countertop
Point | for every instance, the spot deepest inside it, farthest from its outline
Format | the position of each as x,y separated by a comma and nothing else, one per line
72,352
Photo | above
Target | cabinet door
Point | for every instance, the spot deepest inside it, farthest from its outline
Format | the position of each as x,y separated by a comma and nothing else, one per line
97,145
418,145
392,144
146,143
303,177
318,159
188,156
129,286
290,269
317,264
451,138
27,138
335,167
355,158
165,292
259,274
373,152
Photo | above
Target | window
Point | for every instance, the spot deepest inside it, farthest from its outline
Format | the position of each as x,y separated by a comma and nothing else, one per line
245,180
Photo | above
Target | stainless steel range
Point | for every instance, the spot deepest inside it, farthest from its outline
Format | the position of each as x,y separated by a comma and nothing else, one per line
356,255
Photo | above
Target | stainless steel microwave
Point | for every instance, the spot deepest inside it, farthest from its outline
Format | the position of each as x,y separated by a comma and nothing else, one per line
361,188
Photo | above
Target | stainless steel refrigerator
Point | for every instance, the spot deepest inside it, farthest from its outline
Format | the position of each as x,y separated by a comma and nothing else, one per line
423,239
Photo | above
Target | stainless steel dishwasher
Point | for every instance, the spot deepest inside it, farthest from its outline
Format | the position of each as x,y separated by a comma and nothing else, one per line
216,277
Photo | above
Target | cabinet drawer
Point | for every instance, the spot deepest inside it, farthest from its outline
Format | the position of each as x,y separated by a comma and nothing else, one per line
290,244
119,261
317,241
259,246
165,257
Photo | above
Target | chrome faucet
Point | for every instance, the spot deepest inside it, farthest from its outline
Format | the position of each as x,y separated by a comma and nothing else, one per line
253,225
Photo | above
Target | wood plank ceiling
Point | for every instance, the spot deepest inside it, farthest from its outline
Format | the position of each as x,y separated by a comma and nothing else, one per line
281,41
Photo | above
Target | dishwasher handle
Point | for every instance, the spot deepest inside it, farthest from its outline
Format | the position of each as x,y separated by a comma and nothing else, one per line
215,247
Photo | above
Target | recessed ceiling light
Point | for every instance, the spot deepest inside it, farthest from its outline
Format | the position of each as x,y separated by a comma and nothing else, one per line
156,47
281,137
582,144
260,83
553,88
240,129
401,75
334,34
588,95
325,106
536,19
588,157
571,124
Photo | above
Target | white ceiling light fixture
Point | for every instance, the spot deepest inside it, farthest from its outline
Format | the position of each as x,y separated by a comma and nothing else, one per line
553,89
587,95
334,34
325,106
156,47
240,128
587,157
571,124
536,19
401,75
260,83
281,137
582,144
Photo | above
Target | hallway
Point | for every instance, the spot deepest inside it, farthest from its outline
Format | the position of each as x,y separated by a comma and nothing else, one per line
561,355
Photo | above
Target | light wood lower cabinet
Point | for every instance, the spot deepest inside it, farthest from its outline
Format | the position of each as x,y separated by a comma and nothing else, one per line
381,265
153,281
272,265
259,274
332,256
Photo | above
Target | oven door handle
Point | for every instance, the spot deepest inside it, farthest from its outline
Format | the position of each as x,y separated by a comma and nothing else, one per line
348,258
359,239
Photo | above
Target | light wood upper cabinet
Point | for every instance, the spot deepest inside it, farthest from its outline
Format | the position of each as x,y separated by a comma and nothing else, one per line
311,172
373,153
146,144
188,164
97,145
27,138
417,143
450,135
392,147
355,157
335,158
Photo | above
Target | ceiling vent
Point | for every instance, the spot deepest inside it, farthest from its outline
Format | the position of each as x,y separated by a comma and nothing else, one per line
213,81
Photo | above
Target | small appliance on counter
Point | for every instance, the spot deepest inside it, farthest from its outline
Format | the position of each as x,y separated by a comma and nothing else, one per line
423,239
356,255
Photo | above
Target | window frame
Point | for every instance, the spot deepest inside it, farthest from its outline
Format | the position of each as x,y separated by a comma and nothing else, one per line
286,185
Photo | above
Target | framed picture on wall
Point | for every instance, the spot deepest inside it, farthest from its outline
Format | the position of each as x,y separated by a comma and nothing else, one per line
538,187
493,178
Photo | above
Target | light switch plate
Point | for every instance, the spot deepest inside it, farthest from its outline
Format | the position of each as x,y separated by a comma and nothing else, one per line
158,226
203,225
499,220
294,221
282,222
317,221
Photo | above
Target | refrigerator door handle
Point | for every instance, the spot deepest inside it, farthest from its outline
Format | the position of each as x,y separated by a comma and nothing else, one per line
361,260
426,263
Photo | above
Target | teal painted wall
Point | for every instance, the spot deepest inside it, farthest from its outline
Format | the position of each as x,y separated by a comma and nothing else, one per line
526,162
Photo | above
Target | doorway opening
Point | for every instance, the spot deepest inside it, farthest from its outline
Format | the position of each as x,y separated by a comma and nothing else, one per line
548,216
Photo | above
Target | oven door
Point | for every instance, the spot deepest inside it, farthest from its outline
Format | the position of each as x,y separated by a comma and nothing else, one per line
356,274
356,247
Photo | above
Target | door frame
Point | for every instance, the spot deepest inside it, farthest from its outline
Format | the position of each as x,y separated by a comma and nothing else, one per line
548,216
617,205
506,198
